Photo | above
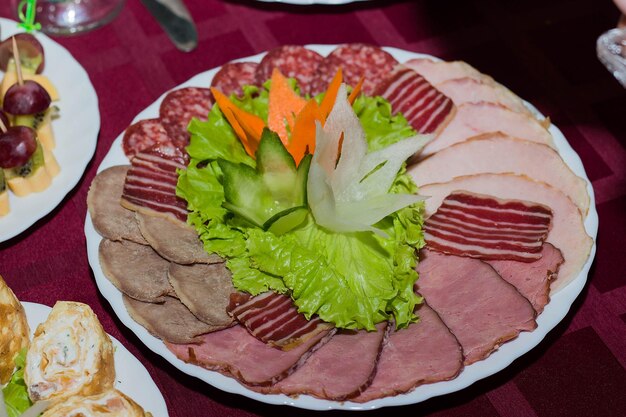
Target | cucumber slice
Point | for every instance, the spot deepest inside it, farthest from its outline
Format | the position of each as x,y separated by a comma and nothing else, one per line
286,221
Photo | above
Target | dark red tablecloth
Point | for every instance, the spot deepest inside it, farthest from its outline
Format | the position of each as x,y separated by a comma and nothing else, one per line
542,50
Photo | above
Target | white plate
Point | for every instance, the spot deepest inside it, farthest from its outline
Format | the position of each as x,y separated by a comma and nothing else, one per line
76,133
551,316
130,375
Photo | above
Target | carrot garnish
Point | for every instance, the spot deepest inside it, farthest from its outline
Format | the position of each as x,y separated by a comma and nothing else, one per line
356,90
331,95
284,105
303,135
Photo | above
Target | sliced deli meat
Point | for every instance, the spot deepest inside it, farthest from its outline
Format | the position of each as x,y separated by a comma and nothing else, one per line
293,61
424,106
473,90
440,71
237,353
231,78
144,135
471,119
480,308
488,228
179,107
500,153
423,353
567,233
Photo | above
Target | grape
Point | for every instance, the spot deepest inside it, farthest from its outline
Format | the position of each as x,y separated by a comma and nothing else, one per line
31,52
28,98
4,118
17,145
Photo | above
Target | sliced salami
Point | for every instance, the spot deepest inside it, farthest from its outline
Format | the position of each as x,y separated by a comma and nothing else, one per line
233,76
356,60
179,107
143,135
293,61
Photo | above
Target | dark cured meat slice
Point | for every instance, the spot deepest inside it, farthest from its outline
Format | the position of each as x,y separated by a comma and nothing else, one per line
179,107
532,279
341,369
233,76
237,353
424,107
143,135
356,60
423,353
480,308
293,61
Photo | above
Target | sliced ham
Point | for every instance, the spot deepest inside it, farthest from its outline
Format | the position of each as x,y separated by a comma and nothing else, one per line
488,228
532,279
473,90
439,71
472,119
567,233
274,319
423,353
424,107
339,370
237,353
151,182
480,308
500,153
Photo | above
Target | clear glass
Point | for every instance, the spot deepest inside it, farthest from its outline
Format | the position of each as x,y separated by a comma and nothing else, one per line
611,50
66,17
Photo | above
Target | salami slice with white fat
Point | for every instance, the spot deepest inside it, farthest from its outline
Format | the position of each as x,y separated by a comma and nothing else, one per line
233,76
143,135
356,60
293,61
179,107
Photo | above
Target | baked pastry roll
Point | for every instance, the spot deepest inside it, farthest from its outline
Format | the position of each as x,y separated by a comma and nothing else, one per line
70,355
111,403
14,331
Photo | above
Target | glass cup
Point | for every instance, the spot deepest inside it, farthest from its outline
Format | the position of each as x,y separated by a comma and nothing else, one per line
65,17
611,50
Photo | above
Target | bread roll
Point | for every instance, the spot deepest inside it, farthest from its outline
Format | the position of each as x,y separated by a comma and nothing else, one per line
111,403
69,356
14,331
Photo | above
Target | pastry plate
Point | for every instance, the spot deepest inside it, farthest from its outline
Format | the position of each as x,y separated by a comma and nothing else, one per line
76,132
554,312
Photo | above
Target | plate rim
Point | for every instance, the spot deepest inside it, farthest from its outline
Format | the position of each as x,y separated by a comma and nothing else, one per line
553,314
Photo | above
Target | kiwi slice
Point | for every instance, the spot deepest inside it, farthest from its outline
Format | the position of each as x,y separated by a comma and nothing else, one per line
3,182
29,168
30,120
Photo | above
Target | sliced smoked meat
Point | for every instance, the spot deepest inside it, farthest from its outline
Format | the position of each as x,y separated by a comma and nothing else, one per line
109,218
473,90
423,353
136,270
179,107
532,279
499,153
480,308
233,76
173,239
488,228
143,135
471,119
439,71
204,290
568,231
237,353
293,61
423,106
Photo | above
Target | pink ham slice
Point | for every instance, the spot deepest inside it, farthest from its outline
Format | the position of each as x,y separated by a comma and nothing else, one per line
424,353
476,304
532,279
237,353
472,119
488,228
274,319
339,370
500,153
472,90
568,230
439,71
424,107
151,182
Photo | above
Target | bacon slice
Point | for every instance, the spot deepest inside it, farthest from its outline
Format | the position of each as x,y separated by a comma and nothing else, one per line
151,182
274,319
424,107
488,228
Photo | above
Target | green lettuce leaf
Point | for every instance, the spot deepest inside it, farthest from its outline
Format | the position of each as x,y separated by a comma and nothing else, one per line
15,393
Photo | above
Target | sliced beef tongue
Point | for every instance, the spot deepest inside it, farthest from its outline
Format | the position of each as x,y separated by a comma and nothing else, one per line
488,228
274,319
480,308
235,352
423,353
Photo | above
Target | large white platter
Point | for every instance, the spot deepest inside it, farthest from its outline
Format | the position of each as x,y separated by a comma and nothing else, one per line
76,133
130,375
552,315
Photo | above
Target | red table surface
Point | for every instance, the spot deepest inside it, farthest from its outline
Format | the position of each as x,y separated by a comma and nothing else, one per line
544,51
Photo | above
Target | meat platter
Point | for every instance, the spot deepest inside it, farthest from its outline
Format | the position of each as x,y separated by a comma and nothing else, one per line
498,360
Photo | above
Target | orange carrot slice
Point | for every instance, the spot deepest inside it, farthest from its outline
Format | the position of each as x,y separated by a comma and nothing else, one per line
356,90
303,135
284,105
331,95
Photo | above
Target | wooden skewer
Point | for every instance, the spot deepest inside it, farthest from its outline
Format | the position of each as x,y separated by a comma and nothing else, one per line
18,64
2,126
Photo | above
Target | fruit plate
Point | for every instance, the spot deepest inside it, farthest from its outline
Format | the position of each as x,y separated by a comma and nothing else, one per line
76,132
554,312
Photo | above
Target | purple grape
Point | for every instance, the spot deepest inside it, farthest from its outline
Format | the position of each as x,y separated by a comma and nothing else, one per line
31,52
28,98
17,145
